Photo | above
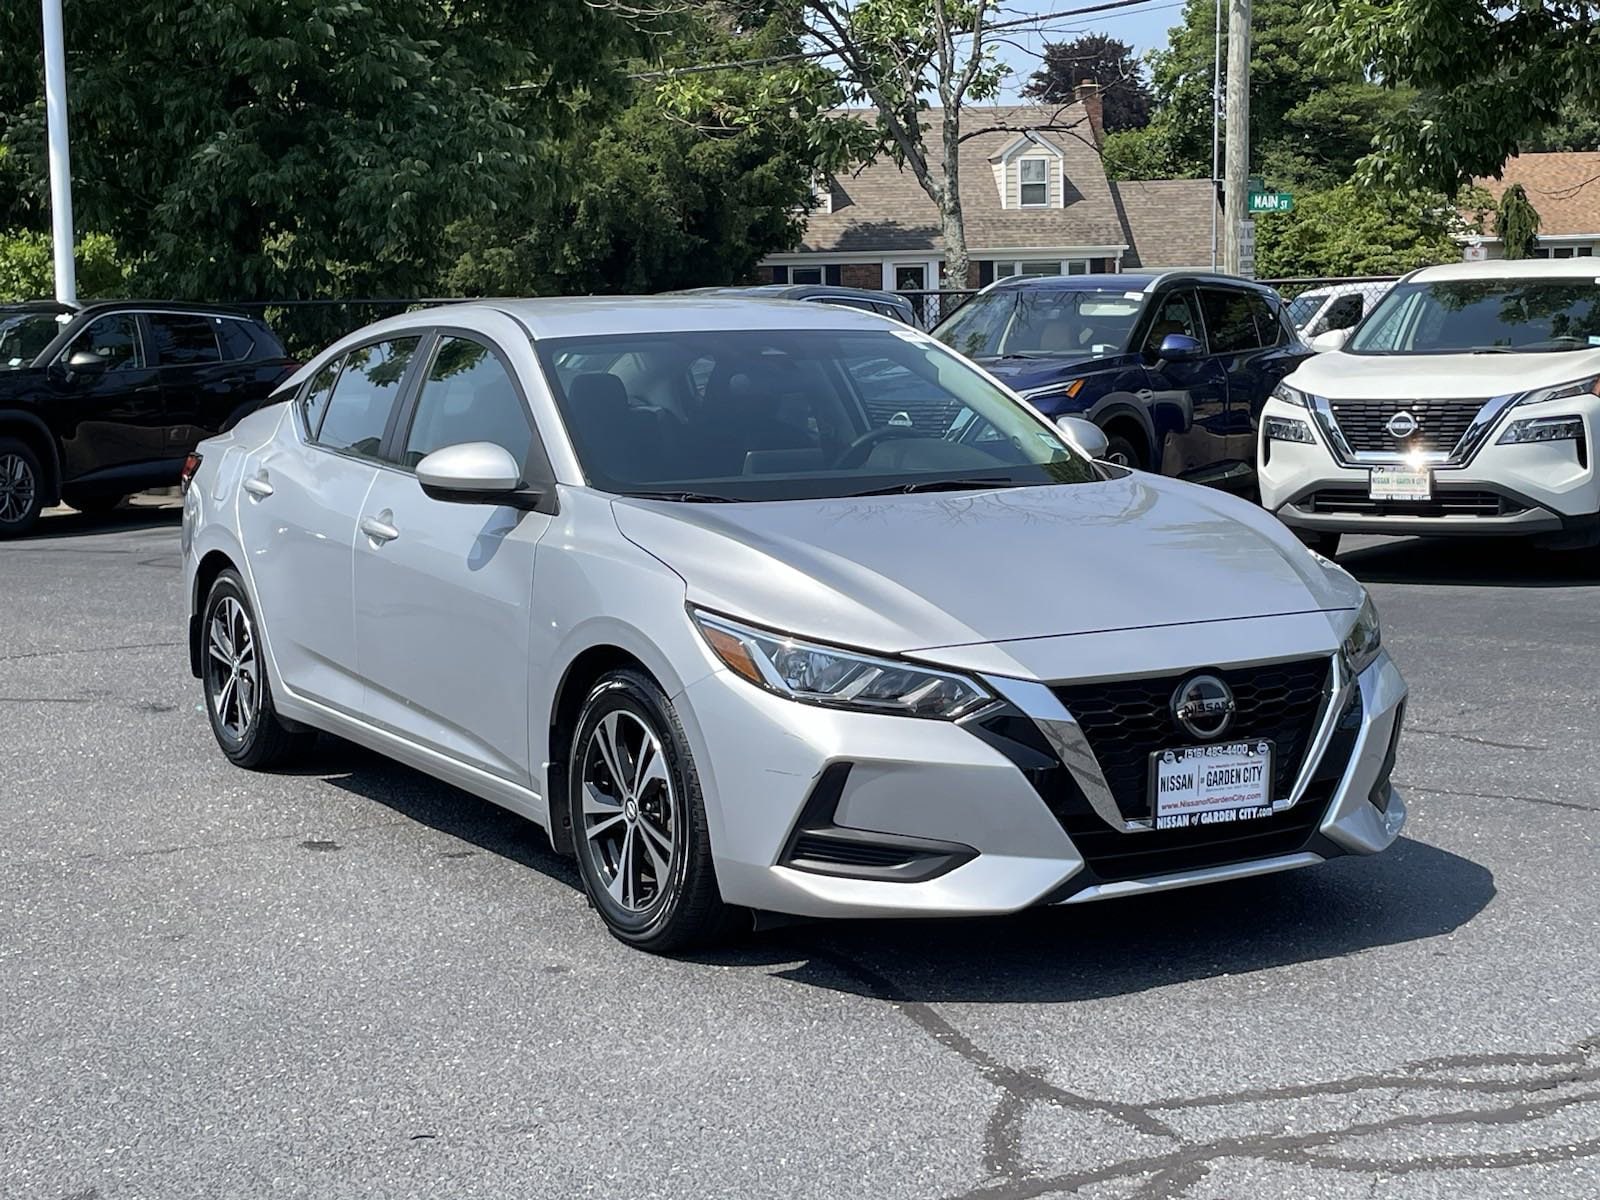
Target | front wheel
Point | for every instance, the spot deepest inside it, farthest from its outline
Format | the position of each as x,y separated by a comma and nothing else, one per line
639,820
238,693
1323,542
1122,453
21,488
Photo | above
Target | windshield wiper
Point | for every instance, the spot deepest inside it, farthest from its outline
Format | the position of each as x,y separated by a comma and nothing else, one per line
684,497
938,485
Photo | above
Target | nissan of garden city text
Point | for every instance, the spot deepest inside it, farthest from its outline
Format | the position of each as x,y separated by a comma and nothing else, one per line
1465,403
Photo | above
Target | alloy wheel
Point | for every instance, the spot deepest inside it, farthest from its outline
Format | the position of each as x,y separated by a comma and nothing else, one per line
232,670
17,488
631,815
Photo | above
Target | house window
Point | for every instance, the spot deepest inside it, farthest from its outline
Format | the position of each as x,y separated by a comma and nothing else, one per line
1035,176
805,275
1032,268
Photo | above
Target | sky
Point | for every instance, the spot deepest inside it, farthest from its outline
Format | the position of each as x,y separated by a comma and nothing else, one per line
1144,28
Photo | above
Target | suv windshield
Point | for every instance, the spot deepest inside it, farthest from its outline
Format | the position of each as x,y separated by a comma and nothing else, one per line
1460,316
794,414
1042,322
23,337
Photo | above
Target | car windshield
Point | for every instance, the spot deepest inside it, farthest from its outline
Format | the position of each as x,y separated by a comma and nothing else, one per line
1303,307
794,414
1042,322
1463,316
23,337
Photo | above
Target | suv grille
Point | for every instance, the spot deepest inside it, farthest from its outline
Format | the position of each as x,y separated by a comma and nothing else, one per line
1440,424
1127,721
1463,503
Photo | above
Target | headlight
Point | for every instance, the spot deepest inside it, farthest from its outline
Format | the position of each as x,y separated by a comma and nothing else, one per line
1287,429
1564,391
1362,643
1290,395
1542,429
1070,389
827,675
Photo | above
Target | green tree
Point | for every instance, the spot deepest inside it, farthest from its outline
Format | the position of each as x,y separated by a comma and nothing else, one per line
242,149
1348,230
1516,223
27,266
1124,91
1487,76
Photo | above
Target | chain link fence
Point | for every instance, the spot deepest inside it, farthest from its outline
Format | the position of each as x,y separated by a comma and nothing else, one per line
1322,305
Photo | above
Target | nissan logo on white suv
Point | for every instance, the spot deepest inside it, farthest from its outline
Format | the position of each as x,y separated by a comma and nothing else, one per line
1402,425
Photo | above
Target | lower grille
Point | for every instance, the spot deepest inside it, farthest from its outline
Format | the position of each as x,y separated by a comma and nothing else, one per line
1463,503
1128,721
834,852
1440,424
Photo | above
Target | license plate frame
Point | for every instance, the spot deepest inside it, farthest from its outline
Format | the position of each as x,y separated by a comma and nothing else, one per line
1206,802
1400,483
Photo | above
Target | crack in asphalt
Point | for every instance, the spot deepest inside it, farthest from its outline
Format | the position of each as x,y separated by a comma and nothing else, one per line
29,654
219,844
1475,740
1168,1174
1567,804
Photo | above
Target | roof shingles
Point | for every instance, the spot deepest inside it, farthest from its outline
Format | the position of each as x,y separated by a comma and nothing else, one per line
1563,185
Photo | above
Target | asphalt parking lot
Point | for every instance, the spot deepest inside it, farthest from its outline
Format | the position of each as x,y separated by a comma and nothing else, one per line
353,981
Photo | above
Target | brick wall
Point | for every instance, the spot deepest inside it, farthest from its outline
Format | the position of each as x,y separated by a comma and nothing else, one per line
862,275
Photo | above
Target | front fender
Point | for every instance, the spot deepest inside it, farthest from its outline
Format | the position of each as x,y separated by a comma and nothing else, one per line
19,417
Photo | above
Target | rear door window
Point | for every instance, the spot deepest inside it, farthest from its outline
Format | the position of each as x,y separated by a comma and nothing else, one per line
364,396
183,340
1230,320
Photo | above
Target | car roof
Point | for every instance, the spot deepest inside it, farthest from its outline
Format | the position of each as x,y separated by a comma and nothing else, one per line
796,291
1511,268
1132,281
172,306
39,306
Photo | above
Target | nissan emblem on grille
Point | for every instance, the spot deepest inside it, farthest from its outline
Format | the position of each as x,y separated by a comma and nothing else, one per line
1203,706
1402,425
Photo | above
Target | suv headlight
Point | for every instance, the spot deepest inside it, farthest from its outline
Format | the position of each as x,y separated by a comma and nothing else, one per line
1564,391
1364,641
837,678
1290,395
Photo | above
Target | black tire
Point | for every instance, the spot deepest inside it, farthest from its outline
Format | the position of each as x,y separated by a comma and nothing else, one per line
255,737
683,910
93,504
1324,543
21,487
1122,452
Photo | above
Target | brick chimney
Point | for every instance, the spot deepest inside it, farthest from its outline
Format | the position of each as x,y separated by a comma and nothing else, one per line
1087,94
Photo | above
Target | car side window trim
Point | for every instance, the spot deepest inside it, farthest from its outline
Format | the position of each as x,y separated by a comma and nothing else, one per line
407,382
536,467
141,345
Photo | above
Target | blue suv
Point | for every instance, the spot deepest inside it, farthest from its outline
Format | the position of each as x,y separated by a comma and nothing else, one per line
1174,367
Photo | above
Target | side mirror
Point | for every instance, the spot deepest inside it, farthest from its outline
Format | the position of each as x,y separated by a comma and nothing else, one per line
1085,435
472,473
1334,339
1180,347
85,360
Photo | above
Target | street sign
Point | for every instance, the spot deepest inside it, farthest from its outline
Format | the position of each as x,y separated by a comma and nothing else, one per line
1474,252
1266,202
1254,183
1247,248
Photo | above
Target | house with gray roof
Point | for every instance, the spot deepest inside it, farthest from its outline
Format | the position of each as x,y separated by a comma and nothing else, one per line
1036,201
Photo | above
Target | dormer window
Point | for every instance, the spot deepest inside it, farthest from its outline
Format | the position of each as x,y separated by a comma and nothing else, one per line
1035,182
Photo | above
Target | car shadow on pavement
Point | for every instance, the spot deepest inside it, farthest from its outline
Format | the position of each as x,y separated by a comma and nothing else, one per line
70,524
1472,562
1092,951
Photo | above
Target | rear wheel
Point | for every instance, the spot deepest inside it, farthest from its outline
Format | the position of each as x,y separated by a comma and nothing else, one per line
21,487
238,693
1324,543
639,820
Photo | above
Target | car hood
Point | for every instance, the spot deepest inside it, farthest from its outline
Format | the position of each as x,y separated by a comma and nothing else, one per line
1438,376
1031,374
19,383
908,573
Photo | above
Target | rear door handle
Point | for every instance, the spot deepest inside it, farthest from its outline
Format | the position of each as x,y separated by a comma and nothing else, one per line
378,528
258,486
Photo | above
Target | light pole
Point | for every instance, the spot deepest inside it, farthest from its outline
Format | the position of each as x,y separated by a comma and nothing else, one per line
55,105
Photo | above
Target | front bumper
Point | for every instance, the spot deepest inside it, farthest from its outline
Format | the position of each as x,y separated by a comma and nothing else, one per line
819,812
1535,488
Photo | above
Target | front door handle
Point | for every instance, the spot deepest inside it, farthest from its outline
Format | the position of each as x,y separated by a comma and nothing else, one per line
1144,394
378,528
258,486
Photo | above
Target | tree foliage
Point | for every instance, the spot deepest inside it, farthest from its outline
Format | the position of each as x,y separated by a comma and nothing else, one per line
1487,77
1124,90
1516,223
27,267
244,149
1350,230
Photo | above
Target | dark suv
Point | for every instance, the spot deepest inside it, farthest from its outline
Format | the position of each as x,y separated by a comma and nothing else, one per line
1174,367
105,399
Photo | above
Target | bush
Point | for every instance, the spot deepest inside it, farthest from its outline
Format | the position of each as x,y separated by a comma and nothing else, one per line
27,270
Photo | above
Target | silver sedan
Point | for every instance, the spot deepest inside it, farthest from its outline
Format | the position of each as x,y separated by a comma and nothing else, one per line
766,607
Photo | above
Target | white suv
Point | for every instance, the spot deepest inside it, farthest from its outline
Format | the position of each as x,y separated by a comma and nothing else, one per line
1466,402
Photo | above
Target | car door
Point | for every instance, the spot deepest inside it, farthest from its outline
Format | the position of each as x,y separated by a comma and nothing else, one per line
444,590
300,499
108,404
1248,334
200,374
1188,399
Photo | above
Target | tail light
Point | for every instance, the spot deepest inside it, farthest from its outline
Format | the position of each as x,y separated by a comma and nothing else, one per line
186,476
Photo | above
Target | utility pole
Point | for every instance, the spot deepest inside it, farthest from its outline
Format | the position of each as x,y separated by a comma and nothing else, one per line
1216,125
1238,135
55,105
